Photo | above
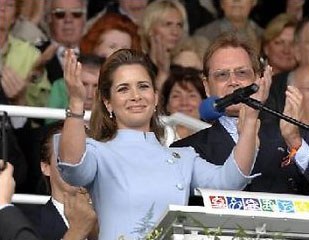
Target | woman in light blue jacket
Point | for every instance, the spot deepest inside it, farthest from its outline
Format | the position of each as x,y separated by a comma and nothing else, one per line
131,177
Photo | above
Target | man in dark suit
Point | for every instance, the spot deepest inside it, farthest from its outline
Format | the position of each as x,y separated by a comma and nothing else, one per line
51,223
46,220
14,224
67,206
282,155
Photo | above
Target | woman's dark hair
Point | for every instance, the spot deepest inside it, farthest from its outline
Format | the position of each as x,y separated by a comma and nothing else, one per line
102,127
182,76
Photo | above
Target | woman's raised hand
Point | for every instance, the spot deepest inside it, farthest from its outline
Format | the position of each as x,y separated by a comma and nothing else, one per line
72,76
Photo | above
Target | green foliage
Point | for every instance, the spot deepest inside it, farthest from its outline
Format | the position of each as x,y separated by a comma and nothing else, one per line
154,234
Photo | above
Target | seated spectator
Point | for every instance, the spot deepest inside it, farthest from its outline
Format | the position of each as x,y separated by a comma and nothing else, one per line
183,91
267,10
133,9
163,27
66,22
66,205
277,43
110,32
236,18
29,25
295,8
14,225
59,98
200,13
298,77
16,60
189,53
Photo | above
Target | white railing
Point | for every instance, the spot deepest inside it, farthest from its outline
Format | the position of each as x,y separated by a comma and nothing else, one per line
36,112
52,113
29,198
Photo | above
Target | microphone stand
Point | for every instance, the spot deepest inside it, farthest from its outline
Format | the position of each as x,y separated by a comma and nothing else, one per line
260,106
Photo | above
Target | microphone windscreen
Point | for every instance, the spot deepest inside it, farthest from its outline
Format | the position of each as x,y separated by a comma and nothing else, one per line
208,110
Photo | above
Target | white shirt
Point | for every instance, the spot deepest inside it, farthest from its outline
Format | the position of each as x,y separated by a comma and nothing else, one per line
60,53
60,208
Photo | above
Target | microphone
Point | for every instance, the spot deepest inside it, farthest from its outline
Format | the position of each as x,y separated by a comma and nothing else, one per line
213,107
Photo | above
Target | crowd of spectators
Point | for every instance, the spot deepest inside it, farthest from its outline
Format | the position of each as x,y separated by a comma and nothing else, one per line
36,34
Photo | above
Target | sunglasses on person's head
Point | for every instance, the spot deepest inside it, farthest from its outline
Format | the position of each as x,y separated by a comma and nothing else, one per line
60,13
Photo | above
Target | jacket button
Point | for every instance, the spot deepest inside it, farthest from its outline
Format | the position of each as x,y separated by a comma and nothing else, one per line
170,161
179,186
293,184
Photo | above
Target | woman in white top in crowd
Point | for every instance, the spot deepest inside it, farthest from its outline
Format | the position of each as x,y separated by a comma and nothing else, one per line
162,28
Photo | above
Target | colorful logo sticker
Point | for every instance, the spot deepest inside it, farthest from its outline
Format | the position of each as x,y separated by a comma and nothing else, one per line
256,204
218,202
285,206
252,204
235,203
269,205
301,206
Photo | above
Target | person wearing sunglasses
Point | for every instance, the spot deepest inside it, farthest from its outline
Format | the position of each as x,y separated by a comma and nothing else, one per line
61,13
64,33
66,21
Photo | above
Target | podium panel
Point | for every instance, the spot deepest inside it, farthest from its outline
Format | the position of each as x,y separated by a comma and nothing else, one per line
232,214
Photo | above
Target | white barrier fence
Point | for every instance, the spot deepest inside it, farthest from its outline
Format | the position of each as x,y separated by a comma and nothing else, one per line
52,113
30,198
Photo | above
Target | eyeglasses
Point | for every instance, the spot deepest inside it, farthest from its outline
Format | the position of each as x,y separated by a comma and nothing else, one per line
239,73
60,13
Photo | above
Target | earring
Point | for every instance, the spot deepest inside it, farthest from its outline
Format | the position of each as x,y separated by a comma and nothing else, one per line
111,114
155,109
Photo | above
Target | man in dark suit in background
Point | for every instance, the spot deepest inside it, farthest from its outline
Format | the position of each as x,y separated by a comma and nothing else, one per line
14,225
68,205
231,63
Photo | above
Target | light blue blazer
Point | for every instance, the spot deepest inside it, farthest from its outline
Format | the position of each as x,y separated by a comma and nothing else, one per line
133,178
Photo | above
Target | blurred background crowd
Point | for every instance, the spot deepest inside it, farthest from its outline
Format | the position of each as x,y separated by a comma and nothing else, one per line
34,35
